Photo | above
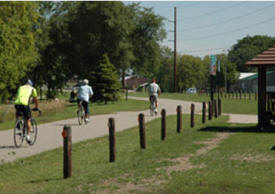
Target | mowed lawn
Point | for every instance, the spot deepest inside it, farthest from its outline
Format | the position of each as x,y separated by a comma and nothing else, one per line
216,157
59,110
229,105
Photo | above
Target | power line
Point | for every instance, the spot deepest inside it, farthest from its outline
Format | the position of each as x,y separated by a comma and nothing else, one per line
212,12
228,20
202,50
231,31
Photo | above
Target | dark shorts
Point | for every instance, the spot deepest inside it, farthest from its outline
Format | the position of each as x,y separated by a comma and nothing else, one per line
85,105
153,99
24,111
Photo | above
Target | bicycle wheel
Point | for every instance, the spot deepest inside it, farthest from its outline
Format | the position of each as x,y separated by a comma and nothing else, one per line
18,133
33,132
80,116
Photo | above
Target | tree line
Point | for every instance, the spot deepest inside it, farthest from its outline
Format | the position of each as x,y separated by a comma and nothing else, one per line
51,42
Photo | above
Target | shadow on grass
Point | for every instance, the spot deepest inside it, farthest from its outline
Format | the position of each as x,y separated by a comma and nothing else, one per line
233,129
44,180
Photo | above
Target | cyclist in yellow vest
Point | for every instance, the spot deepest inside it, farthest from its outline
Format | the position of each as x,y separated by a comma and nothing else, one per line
22,101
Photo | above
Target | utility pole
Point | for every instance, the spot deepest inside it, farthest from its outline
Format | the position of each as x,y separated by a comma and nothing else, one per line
175,49
225,81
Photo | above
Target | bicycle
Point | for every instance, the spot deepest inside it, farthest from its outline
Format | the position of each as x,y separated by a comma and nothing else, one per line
20,130
153,108
81,114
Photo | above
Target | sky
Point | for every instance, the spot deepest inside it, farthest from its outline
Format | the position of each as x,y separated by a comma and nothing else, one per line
213,27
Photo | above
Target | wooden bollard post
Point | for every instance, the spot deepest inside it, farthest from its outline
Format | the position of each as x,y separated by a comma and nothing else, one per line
142,131
192,115
209,110
219,107
67,154
203,112
272,106
179,119
112,139
215,109
163,124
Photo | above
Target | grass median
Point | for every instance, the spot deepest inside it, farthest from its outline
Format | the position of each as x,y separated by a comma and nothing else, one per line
229,105
199,160
61,109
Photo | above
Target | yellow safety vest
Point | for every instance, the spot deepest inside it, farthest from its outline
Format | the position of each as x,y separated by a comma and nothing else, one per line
23,95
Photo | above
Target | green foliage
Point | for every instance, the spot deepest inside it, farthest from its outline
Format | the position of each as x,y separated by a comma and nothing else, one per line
192,72
145,38
228,71
105,82
247,48
165,71
18,53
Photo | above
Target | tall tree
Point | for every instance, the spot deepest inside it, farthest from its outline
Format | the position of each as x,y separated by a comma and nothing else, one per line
247,48
18,54
146,38
106,83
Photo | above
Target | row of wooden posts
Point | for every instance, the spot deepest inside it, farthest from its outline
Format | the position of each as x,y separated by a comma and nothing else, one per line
214,109
236,95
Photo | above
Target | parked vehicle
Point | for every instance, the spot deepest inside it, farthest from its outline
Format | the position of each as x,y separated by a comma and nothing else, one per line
191,91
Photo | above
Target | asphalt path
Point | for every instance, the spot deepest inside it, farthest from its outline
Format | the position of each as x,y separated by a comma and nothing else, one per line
49,134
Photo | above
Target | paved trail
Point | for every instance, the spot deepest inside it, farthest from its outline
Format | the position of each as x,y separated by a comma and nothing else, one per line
49,135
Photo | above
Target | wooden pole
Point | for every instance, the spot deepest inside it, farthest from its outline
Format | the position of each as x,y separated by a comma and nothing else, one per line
215,109
163,124
209,110
179,118
67,154
142,131
112,140
192,115
203,112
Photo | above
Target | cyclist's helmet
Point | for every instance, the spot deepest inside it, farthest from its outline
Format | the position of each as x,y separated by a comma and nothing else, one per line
85,81
29,82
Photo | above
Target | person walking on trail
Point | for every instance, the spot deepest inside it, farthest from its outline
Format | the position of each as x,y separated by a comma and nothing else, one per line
84,92
22,103
154,91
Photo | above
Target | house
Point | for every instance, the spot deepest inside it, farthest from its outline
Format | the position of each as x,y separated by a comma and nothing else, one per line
135,81
248,82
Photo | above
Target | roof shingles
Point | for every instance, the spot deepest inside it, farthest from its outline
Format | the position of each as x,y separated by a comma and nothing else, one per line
265,58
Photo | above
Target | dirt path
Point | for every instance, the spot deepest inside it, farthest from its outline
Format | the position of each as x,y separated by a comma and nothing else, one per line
180,164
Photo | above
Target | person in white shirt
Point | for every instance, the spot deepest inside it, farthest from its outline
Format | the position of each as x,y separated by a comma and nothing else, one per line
84,92
154,91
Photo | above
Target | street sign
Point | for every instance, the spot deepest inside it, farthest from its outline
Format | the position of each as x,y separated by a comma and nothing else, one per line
213,60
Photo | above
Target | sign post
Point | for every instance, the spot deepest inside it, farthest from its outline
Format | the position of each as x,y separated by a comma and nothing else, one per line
213,60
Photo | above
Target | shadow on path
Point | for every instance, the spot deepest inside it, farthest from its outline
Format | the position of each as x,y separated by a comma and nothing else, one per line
70,124
7,147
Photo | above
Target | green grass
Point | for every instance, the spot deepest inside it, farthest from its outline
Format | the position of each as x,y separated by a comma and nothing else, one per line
235,106
43,173
92,173
69,111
